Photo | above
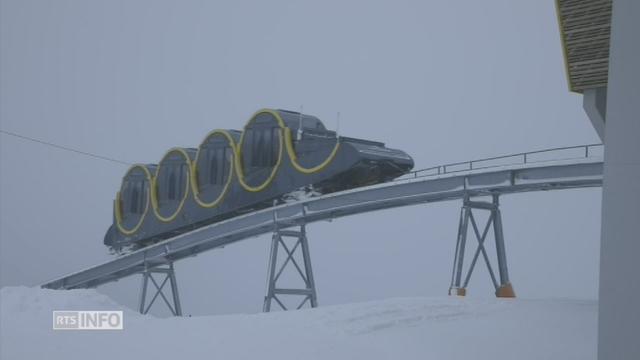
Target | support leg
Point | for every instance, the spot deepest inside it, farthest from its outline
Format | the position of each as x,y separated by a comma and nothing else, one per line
307,266
504,289
306,273
174,292
143,291
502,285
271,270
147,274
456,275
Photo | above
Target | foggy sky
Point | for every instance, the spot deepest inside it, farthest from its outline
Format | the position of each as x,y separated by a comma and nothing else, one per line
443,81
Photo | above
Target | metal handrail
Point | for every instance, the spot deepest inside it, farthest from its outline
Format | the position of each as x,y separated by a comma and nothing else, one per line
521,158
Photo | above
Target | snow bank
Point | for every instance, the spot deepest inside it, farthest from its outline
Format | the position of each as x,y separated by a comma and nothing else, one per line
405,328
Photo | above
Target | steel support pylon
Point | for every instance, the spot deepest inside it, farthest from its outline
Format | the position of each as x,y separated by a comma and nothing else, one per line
274,272
502,285
170,276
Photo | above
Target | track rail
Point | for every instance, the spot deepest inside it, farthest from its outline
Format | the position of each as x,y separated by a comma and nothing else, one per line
532,157
551,169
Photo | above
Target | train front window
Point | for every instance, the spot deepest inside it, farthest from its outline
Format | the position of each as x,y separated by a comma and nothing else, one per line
133,197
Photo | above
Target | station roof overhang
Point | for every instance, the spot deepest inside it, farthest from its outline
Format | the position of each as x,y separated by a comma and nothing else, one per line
585,28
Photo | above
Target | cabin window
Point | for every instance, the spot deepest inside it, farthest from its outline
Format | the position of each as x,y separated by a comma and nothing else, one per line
226,162
172,186
220,166
213,168
142,197
258,149
274,149
134,200
263,151
182,180
248,155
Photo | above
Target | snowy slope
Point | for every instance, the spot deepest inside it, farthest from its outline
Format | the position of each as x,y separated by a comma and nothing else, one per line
404,328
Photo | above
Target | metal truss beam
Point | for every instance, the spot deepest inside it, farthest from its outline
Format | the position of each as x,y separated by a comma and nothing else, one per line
169,276
502,285
453,185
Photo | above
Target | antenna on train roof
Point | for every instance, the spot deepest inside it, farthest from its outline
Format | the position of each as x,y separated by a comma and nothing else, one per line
300,123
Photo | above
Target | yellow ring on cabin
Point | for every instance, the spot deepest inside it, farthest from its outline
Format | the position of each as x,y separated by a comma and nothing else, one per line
154,195
194,171
118,210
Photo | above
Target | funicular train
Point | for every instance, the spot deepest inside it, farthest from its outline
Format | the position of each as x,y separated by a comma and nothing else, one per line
279,155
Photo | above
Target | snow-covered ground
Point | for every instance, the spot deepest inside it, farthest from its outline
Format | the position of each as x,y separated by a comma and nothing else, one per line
402,328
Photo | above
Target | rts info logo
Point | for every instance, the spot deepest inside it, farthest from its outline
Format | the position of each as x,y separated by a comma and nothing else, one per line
88,320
